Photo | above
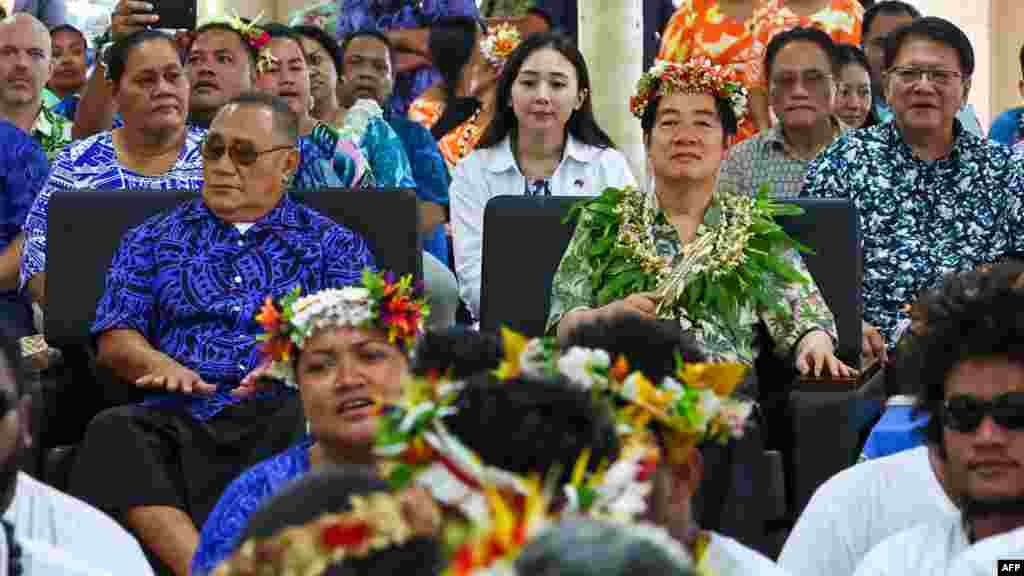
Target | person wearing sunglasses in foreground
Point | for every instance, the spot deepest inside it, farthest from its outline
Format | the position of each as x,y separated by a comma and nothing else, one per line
178,318
969,361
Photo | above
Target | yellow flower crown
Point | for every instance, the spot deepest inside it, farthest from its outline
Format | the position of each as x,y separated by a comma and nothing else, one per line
375,522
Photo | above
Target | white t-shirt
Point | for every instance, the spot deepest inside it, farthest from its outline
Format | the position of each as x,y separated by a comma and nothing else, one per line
488,172
43,515
42,559
861,506
924,549
727,557
980,558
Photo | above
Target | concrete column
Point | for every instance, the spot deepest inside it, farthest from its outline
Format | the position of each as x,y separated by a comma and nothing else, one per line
611,40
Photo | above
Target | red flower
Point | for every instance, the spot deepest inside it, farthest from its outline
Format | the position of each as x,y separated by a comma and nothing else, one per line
353,535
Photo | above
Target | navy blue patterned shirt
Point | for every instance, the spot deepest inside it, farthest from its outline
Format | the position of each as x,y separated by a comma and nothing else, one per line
245,495
192,285
921,219
23,172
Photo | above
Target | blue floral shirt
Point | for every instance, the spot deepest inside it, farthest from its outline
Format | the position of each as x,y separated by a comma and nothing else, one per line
384,15
431,175
192,285
921,220
23,171
384,151
329,160
244,496
92,164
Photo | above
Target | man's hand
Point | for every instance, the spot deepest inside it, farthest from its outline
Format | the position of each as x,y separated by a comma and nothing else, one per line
255,381
129,17
642,304
873,344
174,377
815,352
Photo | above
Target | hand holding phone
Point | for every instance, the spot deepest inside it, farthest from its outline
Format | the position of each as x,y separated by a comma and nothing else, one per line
129,17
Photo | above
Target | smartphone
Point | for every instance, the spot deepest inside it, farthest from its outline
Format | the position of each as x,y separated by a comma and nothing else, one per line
175,14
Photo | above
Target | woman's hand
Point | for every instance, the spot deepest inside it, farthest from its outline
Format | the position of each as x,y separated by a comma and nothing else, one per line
173,377
129,17
643,304
873,344
816,353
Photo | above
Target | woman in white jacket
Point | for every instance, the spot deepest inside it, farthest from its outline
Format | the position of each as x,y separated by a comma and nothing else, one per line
543,140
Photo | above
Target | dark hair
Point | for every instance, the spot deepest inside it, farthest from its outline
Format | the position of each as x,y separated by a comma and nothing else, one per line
848,55
223,27
650,346
810,35
584,546
456,352
726,115
972,315
581,125
286,121
936,30
1022,60
365,33
542,14
326,41
117,55
67,28
452,40
552,422
330,491
275,30
888,8
12,353
3,12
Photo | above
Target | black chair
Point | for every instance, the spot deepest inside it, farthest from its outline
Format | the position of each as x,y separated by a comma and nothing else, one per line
85,230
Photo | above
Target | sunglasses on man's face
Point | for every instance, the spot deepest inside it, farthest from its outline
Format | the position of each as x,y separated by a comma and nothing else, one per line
241,153
965,413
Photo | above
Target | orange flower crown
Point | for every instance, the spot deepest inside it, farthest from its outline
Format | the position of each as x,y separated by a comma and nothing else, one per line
397,308
690,77
499,43
375,523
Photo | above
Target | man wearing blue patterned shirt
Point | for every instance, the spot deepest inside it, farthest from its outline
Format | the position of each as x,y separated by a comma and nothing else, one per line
178,318
933,198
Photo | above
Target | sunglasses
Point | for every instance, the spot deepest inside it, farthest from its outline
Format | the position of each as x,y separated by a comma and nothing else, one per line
965,413
241,153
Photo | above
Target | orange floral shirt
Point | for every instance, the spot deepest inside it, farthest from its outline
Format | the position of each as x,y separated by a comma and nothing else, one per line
841,19
456,144
700,30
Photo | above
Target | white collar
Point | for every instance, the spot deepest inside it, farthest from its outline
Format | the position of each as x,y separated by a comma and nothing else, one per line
502,158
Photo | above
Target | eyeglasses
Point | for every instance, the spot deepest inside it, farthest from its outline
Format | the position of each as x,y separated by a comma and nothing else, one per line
241,153
965,413
907,75
813,80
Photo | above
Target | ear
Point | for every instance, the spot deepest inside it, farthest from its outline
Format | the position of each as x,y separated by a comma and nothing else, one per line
1020,88
967,91
686,476
25,419
581,98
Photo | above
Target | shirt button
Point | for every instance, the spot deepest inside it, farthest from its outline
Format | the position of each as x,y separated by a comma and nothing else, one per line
238,279
242,336
241,242
236,308
241,367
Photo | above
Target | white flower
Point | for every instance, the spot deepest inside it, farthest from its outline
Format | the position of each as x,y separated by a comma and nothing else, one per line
578,365
710,403
358,117
629,391
532,360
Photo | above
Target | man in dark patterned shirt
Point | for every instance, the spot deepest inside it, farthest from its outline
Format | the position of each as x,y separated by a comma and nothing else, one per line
178,318
933,198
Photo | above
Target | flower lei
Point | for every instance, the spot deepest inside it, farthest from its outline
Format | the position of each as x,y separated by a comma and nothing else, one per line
398,308
734,261
415,446
691,76
499,43
374,523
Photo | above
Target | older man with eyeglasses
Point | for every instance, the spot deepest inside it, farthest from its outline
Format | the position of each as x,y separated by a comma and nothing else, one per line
933,198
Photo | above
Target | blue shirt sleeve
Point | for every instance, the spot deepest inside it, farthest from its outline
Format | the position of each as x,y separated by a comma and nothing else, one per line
226,524
386,155
26,174
346,255
428,166
353,15
33,258
1006,127
128,299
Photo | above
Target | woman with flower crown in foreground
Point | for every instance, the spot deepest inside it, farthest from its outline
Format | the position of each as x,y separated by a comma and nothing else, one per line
346,351
715,260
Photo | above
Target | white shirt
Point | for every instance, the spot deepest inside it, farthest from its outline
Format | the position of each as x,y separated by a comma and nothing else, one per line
727,557
861,506
980,558
42,559
488,172
924,549
43,515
